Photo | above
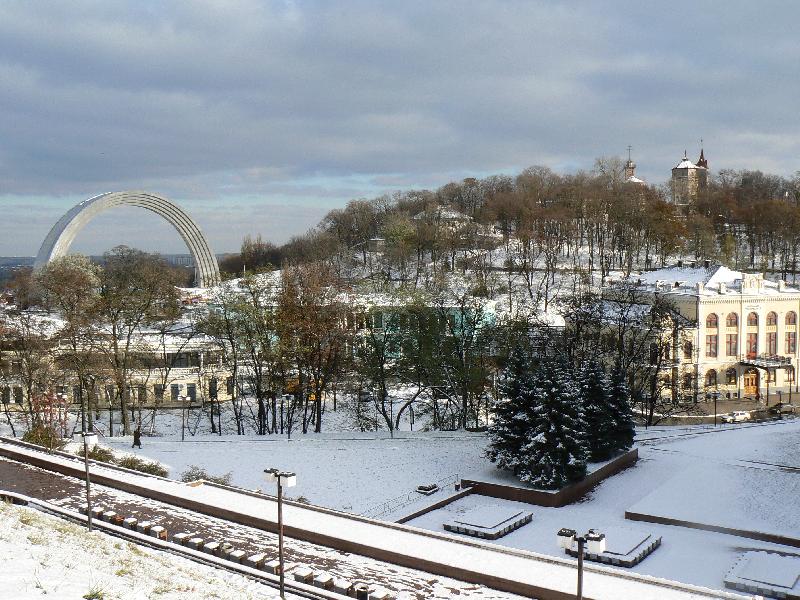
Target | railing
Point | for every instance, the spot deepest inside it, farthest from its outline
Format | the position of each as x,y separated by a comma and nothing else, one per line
405,499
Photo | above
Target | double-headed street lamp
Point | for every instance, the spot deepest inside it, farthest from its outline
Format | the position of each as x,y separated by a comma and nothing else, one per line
287,479
595,540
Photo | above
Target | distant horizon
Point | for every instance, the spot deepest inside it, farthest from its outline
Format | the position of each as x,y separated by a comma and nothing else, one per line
140,223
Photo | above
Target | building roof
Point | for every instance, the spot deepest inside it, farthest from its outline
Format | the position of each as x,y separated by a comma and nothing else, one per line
685,164
714,280
443,214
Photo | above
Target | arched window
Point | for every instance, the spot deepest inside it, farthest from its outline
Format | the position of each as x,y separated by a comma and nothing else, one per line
712,321
730,376
772,318
653,353
732,320
791,318
688,381
687,349
752,320
711,378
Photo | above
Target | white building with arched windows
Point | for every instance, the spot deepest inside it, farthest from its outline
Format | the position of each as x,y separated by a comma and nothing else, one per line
742,341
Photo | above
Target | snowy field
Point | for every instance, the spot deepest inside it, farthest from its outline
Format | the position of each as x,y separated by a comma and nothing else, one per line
346,471
687,555
736,475
56,559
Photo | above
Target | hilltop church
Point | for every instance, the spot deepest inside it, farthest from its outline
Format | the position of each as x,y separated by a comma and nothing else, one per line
688,179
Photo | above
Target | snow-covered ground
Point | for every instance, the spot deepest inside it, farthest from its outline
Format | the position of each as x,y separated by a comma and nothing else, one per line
739,476
350,471
767,497
47,557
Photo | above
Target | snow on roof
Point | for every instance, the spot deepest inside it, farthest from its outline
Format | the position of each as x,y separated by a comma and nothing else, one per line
715,280
686,164
634,179
690,275
444,214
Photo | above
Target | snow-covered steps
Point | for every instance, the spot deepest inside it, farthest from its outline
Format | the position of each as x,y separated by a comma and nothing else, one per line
489,522
624,547
767,574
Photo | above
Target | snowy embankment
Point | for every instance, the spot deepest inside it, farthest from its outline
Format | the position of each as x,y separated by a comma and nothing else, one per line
62,560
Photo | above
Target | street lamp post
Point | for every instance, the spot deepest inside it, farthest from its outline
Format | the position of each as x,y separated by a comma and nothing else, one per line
287,479
182,400
84,435
715,395
596,542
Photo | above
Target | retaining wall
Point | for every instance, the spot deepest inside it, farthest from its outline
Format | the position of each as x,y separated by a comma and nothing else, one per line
562,497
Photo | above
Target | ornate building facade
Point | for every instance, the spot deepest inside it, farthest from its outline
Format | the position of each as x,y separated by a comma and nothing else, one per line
741,341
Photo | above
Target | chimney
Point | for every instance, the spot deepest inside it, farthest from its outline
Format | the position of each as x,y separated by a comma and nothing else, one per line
782,285
722,288
707,264
680,264
694,264
700,287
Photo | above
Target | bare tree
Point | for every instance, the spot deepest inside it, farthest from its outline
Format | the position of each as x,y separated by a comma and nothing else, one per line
137,290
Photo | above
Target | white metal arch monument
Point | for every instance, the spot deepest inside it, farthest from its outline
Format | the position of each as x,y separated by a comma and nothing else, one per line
63,233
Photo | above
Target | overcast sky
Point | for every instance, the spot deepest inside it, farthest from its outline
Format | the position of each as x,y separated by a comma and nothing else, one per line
259,117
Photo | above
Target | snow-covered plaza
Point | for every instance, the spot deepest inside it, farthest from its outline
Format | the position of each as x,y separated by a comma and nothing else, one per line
736,476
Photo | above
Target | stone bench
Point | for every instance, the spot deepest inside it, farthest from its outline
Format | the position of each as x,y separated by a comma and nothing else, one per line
256,560
342,586
143,526
211,548
195,543
303,574
323,580
181,538
273,566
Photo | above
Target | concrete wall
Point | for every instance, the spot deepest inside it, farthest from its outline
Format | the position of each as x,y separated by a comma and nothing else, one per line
562,497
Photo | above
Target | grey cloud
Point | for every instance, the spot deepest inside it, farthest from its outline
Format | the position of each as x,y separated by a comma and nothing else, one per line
305,104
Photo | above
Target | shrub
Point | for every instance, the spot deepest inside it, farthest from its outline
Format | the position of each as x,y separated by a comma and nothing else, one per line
98,453
94,594
143,466
193,473
41,435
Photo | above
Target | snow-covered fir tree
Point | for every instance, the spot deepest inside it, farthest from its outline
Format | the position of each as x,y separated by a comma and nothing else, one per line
539,432
600,418
623,426
511,427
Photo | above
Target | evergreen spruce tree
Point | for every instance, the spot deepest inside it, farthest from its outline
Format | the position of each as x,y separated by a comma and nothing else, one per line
510,429
623,426
539,432
595,392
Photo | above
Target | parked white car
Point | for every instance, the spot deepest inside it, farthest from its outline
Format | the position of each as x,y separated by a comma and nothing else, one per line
737,416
